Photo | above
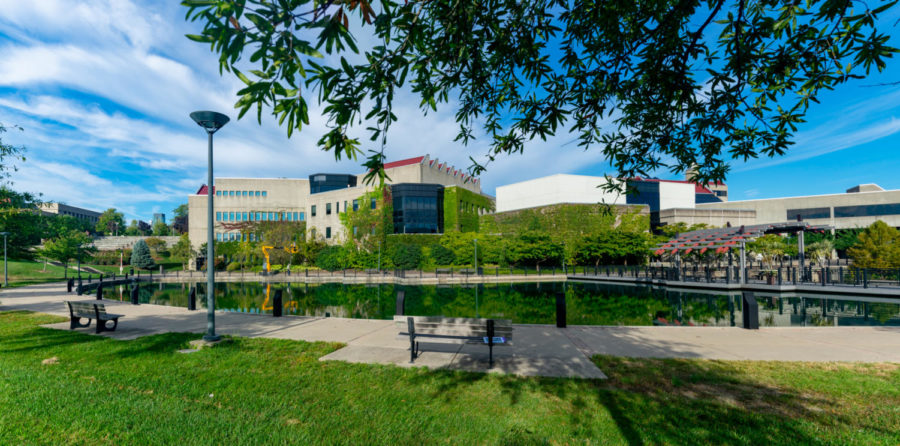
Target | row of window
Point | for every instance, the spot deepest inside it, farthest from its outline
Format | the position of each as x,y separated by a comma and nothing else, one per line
240,193
337,207
260,216
240,237
870,210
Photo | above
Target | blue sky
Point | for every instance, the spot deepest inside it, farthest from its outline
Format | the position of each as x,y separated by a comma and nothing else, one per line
103,89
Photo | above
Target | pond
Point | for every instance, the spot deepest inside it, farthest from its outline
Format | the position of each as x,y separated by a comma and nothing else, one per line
532,303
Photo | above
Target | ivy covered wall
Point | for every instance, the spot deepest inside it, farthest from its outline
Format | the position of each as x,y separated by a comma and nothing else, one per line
461,209
568,220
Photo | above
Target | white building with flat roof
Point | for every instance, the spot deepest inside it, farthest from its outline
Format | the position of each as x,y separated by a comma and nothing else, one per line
556,189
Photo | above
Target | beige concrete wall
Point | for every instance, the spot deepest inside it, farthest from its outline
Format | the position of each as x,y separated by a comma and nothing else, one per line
282,195
774,210
712,217
292,195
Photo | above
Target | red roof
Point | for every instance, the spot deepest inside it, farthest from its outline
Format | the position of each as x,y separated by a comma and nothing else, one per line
405,162
202,190
697,188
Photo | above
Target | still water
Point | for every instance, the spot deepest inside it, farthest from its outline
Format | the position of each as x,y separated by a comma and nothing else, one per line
533,303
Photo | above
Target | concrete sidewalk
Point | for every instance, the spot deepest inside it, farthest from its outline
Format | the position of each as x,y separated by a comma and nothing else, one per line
536,350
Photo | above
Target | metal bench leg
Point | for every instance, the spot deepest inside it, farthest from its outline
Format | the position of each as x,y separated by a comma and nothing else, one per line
75,322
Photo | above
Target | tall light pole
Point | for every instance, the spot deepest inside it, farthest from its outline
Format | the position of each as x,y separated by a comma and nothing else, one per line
5,270
211,122
476,256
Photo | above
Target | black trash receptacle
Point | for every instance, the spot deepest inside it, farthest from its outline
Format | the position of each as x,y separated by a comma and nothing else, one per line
401,303
277,305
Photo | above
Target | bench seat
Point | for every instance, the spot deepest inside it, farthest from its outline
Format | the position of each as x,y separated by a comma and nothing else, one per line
436,329
91,311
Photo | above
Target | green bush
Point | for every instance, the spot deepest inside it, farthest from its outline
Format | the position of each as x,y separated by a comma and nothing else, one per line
332,258
407,256
442,255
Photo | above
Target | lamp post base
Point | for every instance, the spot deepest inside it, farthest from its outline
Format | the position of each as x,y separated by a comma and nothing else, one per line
208,338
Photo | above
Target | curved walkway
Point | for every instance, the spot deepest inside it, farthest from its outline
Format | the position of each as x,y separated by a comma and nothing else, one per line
536,350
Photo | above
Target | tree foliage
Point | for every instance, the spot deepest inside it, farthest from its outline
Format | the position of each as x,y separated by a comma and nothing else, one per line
655,84
111,222
140,256
70,245
878,247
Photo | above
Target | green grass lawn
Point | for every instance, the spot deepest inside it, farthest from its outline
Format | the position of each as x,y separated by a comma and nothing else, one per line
255,391
22,273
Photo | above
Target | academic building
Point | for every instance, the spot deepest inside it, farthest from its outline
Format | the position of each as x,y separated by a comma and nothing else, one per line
671,202
71,211
428,196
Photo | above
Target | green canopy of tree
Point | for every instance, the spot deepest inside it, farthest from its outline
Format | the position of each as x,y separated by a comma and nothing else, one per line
878,247
71,245
654,84
160,229
182,251
111,222
140,256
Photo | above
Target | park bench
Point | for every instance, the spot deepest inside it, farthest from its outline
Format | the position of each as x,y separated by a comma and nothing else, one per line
89,311
490,332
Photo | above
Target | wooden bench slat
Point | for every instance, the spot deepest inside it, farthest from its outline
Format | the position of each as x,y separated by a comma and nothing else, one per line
450,320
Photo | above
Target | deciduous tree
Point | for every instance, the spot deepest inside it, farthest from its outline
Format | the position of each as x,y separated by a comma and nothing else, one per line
654,84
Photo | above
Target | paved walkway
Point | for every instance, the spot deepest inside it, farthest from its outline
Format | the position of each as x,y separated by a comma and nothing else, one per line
536,350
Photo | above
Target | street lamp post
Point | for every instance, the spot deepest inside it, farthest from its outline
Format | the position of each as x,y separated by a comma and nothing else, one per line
476,255
211,122
5,269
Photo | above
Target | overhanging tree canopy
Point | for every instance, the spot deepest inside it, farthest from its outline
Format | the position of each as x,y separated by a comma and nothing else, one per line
654,83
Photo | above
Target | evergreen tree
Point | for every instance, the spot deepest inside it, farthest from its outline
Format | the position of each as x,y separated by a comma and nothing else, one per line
140,256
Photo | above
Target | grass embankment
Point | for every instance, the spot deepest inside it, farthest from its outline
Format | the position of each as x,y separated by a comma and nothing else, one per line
22,273
275,391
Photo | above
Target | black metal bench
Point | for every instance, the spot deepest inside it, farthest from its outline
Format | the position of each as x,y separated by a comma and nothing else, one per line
89,311
490,332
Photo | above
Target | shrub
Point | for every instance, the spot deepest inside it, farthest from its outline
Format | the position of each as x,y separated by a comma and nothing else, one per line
407,256
331,258
442,255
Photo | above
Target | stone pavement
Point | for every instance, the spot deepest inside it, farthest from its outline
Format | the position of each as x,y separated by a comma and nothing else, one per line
536,350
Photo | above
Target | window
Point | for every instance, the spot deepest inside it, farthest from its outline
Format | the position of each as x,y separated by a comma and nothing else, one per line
374,204
252,237
272,216
337,207
244,216
231,216
312,233
295,216
345,205
218,216
808,213
264,215
354,231
231,193
866,210
312,211
302,216
355,205
218,193
251,216
257,193
218,237
327,208
264,193
328,232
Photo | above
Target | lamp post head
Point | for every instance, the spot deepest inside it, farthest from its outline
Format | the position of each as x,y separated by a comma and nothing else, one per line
4,233
209,120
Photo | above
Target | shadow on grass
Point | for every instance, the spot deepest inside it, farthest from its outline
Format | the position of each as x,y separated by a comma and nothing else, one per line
682,401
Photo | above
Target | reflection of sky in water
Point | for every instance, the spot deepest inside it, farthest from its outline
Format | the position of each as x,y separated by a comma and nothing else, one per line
532,303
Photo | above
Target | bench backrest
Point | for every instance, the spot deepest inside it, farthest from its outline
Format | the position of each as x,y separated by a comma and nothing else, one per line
86,308
454,326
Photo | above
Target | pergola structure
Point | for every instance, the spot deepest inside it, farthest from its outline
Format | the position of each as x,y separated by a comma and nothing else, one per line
726,239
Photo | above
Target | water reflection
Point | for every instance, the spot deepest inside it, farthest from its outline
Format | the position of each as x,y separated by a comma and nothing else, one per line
534,303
